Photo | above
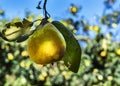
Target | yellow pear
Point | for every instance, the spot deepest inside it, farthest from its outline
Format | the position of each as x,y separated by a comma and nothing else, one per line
46,45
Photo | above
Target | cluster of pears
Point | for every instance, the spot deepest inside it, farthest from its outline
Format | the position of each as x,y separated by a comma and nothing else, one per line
46,45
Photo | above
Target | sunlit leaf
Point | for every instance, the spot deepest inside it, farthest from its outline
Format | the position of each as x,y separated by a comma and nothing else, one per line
11,32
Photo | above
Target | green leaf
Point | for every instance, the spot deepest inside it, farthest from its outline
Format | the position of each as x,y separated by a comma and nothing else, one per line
26,26
11,33
22,38
2,12
16,30
72,56
18,24
26,23
8,25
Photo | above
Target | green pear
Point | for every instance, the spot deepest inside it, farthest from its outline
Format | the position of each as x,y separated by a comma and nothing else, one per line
46,45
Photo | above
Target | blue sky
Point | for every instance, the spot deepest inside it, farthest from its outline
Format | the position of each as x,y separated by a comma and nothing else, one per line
57,8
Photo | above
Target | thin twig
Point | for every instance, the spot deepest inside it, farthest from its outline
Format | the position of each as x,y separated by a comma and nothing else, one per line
47,15
38,7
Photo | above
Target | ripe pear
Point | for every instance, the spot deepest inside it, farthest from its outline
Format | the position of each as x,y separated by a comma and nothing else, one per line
46,45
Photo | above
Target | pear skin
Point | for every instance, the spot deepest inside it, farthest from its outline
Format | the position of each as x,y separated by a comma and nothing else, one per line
46,45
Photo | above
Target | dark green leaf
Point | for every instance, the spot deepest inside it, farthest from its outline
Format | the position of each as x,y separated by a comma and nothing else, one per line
72,56
22,38
27,23
18,24
8,25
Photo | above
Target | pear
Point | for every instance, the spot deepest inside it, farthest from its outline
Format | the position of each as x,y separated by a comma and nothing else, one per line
46,45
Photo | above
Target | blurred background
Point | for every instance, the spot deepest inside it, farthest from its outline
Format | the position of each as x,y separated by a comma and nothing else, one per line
94,23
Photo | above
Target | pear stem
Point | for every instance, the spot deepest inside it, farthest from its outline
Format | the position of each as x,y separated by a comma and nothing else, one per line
47,15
